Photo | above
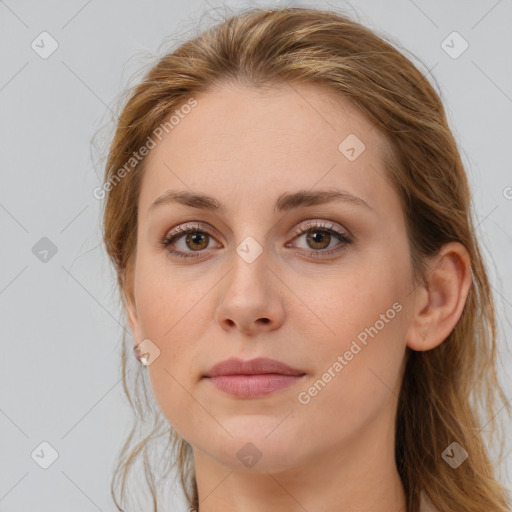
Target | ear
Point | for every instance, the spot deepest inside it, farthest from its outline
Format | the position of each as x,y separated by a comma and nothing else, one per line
440,299
130,304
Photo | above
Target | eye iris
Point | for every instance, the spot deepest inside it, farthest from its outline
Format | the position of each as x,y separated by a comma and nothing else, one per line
319,236
196,237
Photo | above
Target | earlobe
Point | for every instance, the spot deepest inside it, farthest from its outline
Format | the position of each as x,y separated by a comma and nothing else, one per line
441,298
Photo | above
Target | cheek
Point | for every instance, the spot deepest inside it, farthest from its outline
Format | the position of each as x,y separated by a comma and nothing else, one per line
172,314
359,360
169,302
355,300
355,384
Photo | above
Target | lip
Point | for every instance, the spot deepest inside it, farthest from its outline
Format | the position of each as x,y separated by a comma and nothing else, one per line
252,378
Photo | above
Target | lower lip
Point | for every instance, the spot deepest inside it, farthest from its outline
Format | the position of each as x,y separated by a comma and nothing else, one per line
253,386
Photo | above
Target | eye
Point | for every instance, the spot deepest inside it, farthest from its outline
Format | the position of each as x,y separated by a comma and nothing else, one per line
190,241
319,237
190,237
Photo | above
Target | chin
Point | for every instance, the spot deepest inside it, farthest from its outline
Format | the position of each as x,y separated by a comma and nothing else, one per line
256,455
257,445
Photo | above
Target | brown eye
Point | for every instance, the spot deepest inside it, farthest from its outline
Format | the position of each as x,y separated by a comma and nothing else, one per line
191,242
188,242
318,239
196,240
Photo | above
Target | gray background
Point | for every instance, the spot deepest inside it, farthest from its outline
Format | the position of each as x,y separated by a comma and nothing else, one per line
61,325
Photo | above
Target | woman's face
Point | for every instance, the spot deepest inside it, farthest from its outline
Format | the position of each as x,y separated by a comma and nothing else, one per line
322,286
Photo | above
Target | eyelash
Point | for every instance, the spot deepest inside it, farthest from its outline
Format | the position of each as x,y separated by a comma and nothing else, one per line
342,237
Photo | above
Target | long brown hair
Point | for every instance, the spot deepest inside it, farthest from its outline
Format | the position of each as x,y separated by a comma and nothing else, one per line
450,393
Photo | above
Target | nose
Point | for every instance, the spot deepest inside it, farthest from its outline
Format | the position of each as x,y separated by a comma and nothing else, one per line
250,298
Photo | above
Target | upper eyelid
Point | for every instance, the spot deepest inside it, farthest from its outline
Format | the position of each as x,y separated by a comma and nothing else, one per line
183,228
327,225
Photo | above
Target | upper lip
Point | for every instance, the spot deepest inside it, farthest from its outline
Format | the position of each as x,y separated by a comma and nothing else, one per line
258,366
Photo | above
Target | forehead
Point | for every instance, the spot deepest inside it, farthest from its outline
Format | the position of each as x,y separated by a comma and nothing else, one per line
246,142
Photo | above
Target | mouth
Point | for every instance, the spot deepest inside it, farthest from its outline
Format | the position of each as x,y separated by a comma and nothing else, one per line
253,378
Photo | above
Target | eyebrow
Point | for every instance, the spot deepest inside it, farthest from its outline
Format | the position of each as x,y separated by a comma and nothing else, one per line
284,202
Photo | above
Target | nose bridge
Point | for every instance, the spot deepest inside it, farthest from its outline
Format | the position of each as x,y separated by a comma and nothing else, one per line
253,255
249,266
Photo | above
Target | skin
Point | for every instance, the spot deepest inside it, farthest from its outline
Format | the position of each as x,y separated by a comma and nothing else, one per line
246,147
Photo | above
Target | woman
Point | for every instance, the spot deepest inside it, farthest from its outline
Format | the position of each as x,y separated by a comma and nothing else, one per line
290,223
